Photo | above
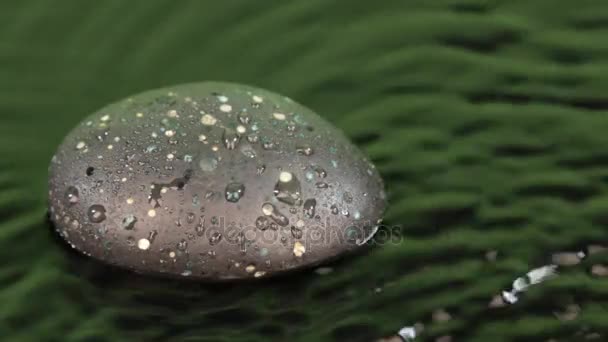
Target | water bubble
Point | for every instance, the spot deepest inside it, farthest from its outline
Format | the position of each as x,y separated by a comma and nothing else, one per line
243,117
230,138
253,138
334,209
287,189
321,185
71,195
234,192
182,245
97,213
190,217
200,227
267,144
305,150
215,238
262,223
296,232
129,222
319,171
260,169
309,207
208,164
269,209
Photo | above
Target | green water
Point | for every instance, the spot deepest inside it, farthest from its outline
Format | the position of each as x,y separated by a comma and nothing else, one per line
487,120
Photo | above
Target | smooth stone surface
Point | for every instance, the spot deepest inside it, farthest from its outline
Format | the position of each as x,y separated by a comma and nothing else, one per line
212,181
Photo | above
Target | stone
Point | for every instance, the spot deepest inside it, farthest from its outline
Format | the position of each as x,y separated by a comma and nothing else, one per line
213,181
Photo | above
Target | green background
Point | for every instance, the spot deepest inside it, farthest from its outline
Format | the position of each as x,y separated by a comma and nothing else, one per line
487,119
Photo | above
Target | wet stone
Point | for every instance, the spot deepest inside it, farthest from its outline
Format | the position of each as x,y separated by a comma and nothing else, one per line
146,177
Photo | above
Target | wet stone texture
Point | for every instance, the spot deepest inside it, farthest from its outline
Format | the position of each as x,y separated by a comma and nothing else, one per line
212,181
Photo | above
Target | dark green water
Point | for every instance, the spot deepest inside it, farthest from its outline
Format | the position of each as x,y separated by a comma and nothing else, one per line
487,119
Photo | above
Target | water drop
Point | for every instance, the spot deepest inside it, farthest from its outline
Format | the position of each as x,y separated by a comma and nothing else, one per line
143,244
321,185
269,209
182,245
129,222
234,192
287,189
244,117
262,223
71,195
200,227
253,138
97,213
296,232
248,151
334,209
190,217
309,207
215,238
260,169
230,138
305,150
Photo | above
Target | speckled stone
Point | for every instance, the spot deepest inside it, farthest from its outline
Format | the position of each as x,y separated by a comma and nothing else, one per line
212,181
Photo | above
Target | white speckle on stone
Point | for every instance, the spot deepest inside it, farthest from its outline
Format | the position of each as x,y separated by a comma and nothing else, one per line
105,118
152,213
154,135
110,147
241,129
226,108
143,244
172,254
267,209
250,269
80,145
172,113
139,115
116,139
170,156
124,179
222,98
169,133
215,148
279,116
257,99
130,200
298,249
208,120
285,177
202,138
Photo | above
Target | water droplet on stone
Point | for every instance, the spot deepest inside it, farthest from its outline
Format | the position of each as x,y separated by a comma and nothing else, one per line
190,217
215,238
270,210
97,213
71,195
234,192
309,207
129,222
143,244
287,189
260,169
321,185
200,227
334,209
304,150
296,232
230,138
243,117
182,245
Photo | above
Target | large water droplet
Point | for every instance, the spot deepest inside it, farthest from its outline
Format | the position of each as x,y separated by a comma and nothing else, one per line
230,138
97,213
309,207
243,117
71,195
234,192
190,217
287,189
